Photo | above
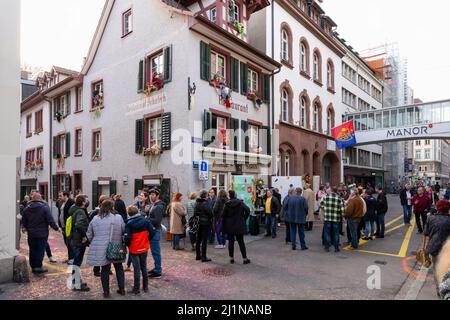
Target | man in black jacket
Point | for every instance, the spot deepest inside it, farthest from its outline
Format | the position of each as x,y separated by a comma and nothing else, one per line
63,214
36,219
382,208
155,217
203,211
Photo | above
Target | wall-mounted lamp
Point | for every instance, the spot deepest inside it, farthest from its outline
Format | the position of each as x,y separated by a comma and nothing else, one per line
191,93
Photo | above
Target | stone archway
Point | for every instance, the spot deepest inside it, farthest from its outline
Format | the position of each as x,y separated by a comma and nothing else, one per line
331,168
317,170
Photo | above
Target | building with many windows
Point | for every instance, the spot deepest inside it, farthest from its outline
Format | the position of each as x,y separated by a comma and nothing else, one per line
307,91
431,161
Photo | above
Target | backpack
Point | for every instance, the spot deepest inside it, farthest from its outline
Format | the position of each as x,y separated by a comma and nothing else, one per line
69,227
194,223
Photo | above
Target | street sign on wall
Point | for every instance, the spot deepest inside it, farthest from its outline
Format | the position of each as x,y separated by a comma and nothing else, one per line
203,170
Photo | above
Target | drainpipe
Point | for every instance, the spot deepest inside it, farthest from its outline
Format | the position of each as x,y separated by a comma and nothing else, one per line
50,151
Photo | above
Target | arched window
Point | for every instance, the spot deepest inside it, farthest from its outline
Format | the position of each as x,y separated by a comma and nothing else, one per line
303,112
316,67
316,117
285,105
284,45
287,165
329,122
330,75
303,57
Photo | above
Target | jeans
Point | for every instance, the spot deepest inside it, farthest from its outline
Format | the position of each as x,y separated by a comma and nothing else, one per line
369,225
407,214
129,261
140,268
37,251
221,238
202,239
48,250
301,232
419,216
271,226
381,224
156,251
352,229
69,247
211,235
78,255
288,232
240,240
120,274
328,226
176,240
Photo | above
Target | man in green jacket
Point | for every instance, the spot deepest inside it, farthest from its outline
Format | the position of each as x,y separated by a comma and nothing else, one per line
78,240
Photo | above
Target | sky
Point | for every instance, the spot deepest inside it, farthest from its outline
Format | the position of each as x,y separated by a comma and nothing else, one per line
59,32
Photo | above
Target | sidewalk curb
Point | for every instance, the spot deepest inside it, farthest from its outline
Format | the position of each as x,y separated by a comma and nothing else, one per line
412,287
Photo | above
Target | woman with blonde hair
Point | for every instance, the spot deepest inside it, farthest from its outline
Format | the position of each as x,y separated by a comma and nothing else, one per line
177,223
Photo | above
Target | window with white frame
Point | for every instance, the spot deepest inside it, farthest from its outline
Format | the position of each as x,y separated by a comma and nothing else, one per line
287,165
233,11
62,104
213,14
285,45
329,122
427,154
418,155
316,66
97,145
303,112
156,65
79,105
222,135
154,132
254,138
303,59
285,105
316,118
61,144
218,65
78,142
29,128
127,22
252,80
330,76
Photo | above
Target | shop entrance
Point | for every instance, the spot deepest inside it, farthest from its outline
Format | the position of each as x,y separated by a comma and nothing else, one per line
219,181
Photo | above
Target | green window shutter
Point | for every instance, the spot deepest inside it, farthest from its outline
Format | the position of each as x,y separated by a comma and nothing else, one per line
165,191
139,146
141,76
244,79
55,148
112,187
205,61
168,64
138,185
207,124
68,103
55,187
267,140
235,75
68,144
235,136
245,146
95,195
166,131
265,87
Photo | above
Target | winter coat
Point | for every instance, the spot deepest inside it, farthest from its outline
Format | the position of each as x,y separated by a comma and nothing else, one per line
177,211
421,204
218,208
310,199
138,234
203,211
156,214
382,203
36,219
355,209
371,214
190,207
404,198
286,214
275,206
98,235
234,216
80,225
298,209
121,209
211,202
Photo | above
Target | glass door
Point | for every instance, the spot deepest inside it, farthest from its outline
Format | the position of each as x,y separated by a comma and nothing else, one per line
219,181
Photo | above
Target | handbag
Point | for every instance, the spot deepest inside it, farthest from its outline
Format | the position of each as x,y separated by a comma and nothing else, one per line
115,252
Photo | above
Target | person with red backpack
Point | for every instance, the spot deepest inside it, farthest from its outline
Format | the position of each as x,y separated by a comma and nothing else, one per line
138,234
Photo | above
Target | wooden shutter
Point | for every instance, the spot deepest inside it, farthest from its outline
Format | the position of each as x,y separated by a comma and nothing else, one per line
244,79
166,131
205,61
67,103
95,195
235,131
165,191
141,76
168,64
139,143
265,87
55,187
245,146
112,187
266,137
207,125
235,75
138,185
55,147
67,144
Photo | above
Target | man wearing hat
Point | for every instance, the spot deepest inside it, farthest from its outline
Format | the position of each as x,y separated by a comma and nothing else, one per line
155,217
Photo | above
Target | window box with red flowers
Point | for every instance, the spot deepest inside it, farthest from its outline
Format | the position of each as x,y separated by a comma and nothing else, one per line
156,84
254,96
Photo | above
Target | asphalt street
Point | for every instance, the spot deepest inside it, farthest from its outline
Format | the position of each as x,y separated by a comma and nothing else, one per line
382,269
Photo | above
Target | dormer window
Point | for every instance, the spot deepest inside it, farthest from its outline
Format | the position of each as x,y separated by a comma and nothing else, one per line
213,14
233,11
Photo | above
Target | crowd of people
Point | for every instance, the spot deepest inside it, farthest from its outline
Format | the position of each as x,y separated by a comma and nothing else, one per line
205,216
